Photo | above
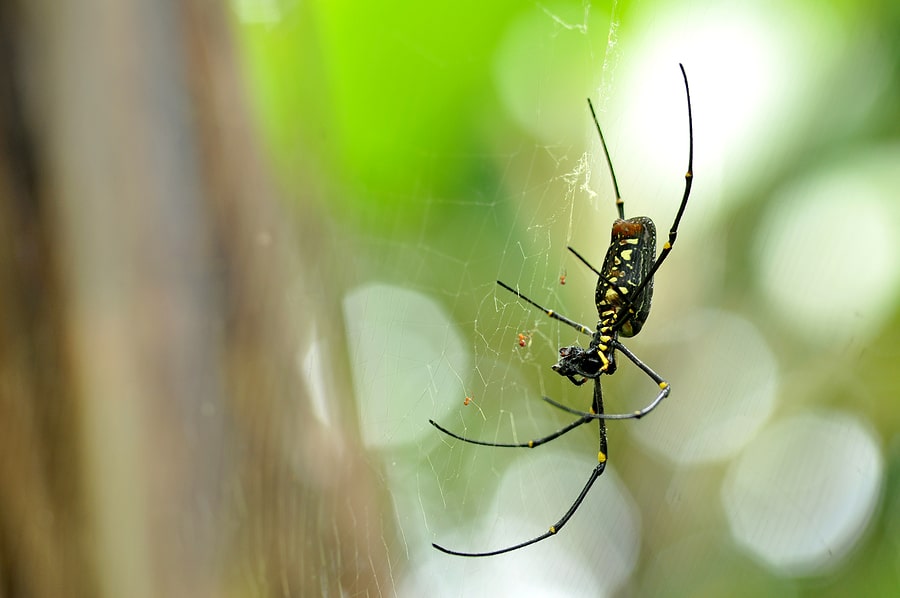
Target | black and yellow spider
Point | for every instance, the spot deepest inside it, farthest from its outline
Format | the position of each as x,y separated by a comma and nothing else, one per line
623,294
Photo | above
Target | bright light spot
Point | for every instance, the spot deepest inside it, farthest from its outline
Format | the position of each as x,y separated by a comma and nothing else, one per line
312,373
802,494
261,11
404,350
724,382
544,68
827,255
752,78
593,555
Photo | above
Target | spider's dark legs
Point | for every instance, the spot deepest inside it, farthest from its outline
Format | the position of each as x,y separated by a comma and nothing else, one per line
556,527
688,181
579,327
585,417
620,203
585,262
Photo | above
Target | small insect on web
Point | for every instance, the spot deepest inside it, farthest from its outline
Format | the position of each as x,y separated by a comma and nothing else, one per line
524,339
623,294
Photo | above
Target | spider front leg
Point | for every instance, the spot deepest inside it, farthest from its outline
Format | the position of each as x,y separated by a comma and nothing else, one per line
556,316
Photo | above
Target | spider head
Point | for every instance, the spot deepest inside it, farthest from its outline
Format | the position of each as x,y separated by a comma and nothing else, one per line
575,361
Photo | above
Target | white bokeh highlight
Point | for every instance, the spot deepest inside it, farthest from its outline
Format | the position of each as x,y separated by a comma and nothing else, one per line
800,497
827,256
724,381
593,555
406,357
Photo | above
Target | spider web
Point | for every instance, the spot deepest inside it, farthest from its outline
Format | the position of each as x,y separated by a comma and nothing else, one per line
485,374
445,342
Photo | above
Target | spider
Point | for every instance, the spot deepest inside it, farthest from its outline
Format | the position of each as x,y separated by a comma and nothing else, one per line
623,294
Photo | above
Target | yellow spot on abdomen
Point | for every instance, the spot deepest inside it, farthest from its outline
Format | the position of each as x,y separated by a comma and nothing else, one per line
601,457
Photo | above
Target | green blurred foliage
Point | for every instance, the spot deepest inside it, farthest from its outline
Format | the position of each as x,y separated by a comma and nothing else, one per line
372,96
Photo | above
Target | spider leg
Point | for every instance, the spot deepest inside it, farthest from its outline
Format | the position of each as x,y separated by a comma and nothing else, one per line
673,232
585,262
588,264
530,444
620,203
556,527
579,327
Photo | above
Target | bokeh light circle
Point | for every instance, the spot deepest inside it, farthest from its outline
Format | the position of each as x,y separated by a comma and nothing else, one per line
842,221
406,357
800,497
593,555
724,380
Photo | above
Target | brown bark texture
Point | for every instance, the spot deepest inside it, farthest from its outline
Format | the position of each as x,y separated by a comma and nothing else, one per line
161,310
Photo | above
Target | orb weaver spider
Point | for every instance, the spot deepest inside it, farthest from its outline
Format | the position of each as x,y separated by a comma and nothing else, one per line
623,293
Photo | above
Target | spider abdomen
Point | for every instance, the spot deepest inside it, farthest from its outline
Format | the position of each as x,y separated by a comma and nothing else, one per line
631,254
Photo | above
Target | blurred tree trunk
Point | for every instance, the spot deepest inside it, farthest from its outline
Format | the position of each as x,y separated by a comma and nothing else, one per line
166,327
